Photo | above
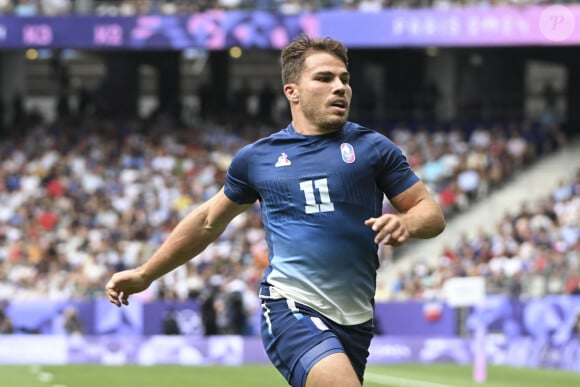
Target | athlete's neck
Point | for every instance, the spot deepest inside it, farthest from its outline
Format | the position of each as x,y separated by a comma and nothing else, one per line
307,129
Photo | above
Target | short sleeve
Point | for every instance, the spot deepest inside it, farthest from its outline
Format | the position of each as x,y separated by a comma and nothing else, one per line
238,187
394,174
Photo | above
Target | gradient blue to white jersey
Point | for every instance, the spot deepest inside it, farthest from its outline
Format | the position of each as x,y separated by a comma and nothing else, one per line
315,194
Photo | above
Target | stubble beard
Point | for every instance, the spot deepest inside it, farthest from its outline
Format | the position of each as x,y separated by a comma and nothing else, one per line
333,122
326,122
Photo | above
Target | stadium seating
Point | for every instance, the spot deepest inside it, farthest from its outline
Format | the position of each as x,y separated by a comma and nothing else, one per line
85,200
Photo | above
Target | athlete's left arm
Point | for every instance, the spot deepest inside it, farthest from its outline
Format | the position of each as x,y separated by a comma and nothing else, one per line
419,216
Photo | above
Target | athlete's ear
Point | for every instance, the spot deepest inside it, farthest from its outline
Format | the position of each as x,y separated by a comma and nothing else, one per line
291,92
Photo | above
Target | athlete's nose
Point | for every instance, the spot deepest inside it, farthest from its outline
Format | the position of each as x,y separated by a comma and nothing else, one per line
338,86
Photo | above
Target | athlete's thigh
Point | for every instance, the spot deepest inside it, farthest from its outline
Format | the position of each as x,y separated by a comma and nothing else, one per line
295,340
333,371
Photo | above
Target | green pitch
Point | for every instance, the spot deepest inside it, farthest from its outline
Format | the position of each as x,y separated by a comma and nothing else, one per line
436,375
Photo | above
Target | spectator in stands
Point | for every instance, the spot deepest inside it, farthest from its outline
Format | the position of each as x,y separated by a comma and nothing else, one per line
235,313
533,252
209,310
170,325
56,7
517,148
5,7
26,8
6,326
71,321
576,327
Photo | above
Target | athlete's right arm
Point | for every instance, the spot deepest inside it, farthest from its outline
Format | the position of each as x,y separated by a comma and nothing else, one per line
189,238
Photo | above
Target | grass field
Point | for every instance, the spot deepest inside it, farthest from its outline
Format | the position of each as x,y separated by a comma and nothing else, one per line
436,375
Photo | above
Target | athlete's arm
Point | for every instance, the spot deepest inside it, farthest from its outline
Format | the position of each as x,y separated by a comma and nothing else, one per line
189,238
419,217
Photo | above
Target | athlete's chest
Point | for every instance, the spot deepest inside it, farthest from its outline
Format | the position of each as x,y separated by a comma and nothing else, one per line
313,178
304,160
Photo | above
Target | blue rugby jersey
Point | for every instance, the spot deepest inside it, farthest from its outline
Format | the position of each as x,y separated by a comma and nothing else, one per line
315,194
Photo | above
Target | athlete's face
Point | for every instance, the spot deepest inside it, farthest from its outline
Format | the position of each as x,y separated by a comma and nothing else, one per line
323,92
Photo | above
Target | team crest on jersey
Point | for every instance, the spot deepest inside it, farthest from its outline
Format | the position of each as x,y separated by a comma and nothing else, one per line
347,153
283,161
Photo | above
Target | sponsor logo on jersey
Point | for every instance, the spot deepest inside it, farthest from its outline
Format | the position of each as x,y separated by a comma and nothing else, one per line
283,161
347,153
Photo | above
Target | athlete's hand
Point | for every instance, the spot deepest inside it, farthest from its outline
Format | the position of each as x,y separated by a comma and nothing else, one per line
123,284
390,229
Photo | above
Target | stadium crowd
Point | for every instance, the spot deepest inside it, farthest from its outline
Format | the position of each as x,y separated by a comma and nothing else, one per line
531,253
173,7
82,199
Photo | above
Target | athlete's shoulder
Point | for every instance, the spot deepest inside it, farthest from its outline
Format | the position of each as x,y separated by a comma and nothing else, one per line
260,144
366,134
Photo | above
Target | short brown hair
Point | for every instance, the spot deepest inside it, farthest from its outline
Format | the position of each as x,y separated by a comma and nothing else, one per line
292,57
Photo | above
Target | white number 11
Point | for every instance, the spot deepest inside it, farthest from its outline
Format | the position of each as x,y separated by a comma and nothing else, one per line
312,206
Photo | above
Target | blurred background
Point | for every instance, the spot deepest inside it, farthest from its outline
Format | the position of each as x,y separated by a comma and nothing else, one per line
119,117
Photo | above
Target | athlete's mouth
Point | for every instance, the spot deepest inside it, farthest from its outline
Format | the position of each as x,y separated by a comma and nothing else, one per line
341,104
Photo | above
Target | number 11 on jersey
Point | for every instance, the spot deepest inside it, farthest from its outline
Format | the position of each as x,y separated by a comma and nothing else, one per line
312,206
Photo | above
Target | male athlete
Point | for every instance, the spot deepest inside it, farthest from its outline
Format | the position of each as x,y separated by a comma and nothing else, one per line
320,183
